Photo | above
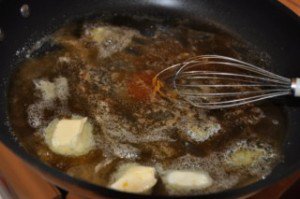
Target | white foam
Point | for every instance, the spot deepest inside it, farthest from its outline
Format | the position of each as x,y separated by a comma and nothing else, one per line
35,113
50,91
120,129
126,151
109,39
261,166
47,89
201,133
112,148
61,88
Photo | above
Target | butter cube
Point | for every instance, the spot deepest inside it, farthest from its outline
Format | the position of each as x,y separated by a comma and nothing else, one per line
69,136
185,180
135,179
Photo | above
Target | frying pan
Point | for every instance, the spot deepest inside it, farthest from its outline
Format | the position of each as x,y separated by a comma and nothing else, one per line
265,24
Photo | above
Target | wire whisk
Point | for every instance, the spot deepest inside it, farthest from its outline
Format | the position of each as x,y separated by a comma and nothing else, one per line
214,81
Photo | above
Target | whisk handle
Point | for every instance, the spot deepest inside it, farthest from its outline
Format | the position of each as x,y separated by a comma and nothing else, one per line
296,86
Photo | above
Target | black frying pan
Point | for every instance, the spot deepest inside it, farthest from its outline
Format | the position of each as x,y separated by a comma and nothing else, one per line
265,24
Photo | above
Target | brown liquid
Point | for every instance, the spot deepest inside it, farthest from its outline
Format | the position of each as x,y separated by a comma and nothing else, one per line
138,127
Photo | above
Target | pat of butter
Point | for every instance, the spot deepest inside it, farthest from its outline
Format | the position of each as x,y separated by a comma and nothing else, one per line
67,132
69,136
183,179
136,179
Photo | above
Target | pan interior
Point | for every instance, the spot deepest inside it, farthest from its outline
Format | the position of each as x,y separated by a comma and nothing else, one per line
110,84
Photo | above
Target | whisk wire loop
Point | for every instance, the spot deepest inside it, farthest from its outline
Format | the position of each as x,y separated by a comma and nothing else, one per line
214,81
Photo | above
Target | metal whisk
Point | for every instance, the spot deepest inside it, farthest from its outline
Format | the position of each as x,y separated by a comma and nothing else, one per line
213,81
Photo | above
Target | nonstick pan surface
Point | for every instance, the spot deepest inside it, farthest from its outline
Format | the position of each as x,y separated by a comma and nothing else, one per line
267,25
